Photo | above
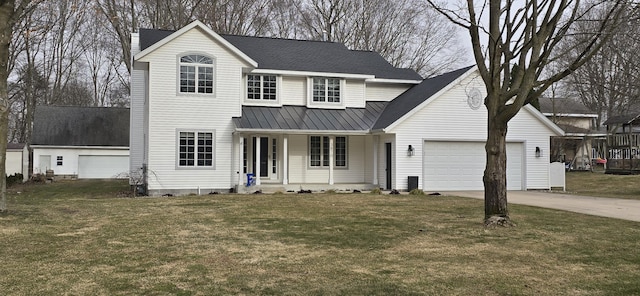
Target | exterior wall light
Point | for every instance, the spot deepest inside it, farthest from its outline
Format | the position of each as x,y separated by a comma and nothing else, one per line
538,152
410,151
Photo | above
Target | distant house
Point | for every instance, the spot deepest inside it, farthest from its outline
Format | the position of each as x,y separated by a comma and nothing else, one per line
17,161
224,112
82,142
583,141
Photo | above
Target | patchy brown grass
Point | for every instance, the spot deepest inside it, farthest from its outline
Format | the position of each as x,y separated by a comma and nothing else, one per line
79,238
603,185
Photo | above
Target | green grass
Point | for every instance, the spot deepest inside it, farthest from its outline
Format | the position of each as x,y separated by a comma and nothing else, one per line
80,238
603,185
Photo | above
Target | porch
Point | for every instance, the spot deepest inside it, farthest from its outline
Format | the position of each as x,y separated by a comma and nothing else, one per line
315,161
623,144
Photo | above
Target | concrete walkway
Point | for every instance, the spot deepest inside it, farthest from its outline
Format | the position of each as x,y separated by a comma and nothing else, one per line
625,209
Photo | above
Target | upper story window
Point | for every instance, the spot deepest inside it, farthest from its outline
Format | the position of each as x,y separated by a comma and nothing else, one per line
196,74
261,87
326,90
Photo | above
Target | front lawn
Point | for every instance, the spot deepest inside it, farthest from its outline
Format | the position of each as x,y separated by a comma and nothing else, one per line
603,185
84,238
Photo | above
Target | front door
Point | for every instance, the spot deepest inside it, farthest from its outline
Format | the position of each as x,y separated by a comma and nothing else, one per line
264,155
388,171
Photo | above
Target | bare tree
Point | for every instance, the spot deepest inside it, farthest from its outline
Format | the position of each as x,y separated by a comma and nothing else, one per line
523,39
610,83
11,12
407,33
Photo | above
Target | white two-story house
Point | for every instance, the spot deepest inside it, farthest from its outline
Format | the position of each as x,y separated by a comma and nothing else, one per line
208,111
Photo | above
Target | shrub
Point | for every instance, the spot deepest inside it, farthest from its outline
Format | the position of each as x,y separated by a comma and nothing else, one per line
14,179
376,191
416,191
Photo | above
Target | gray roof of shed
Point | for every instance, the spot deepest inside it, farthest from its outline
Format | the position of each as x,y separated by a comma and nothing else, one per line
302,55
81,126
416,96
303,118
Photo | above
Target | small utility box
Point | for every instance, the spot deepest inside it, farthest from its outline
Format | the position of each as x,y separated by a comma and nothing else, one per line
413,183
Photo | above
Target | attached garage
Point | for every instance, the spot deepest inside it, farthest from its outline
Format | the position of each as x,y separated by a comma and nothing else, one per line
102,166
450,165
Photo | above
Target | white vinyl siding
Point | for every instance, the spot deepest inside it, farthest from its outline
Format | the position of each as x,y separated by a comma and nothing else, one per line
301,172
449,118
169,113
384,91
294,91
71,157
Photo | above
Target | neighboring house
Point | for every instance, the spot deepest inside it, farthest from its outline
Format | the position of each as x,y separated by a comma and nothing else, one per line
82,142
623,143
583,142
17,160
209,110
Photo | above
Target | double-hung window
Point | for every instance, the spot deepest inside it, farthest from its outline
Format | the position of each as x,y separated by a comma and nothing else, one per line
319,151
326,90
261,87
196,74
195,149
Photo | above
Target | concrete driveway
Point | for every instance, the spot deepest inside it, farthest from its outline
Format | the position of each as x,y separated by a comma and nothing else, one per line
625,209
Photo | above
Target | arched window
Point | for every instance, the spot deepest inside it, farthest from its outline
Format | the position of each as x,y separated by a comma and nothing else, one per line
196,74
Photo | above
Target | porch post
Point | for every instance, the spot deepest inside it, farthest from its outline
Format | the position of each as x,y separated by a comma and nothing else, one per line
240,161
376,140
331,156
257,166
285,160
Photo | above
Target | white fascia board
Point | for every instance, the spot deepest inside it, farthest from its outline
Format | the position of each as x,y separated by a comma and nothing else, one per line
386,80
210,32
430,99
546,121
571,115
300,132
308,74
80,147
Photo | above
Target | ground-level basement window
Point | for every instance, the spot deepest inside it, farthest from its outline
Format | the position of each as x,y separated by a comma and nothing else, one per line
59,160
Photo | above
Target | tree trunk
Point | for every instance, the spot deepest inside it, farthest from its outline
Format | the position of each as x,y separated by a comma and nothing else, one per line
495,176
6,13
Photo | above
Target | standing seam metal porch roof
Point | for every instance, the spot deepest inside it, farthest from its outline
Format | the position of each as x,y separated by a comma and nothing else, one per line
310,119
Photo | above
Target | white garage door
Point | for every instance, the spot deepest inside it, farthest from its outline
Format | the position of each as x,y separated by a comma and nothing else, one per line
460,166
102,166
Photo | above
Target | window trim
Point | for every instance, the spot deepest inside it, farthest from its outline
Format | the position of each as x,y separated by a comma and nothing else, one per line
322,152
325,104
213,68
195,166
261,101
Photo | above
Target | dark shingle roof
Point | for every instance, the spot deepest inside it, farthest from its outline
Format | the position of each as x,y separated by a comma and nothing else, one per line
15,146
415,96
303,118
302,55
81,126
563,106
623,119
